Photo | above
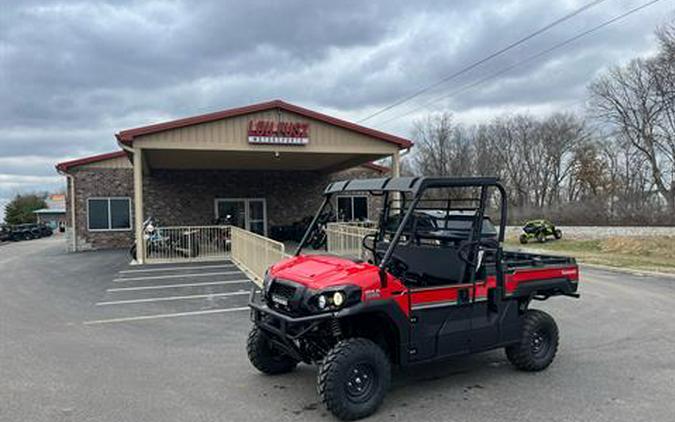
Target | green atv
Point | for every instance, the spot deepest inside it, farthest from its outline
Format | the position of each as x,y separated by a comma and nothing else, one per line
539,230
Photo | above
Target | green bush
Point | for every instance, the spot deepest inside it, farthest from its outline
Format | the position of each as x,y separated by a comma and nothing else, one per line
20,209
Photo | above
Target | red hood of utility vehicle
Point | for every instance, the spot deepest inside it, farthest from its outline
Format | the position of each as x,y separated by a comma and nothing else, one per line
321,271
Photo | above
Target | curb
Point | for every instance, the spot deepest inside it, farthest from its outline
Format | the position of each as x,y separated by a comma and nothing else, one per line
644,273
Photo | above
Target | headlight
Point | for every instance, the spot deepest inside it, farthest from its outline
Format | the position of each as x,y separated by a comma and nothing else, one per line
338,298
321,301
335,298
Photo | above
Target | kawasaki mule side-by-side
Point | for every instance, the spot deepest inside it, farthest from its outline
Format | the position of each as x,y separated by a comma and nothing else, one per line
437,284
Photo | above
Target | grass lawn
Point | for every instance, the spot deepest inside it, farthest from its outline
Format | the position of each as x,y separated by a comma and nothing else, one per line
656,253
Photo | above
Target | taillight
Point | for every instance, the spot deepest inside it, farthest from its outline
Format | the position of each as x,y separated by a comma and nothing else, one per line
572,274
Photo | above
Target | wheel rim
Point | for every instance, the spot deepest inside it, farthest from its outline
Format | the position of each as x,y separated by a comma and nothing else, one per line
361,382
539,343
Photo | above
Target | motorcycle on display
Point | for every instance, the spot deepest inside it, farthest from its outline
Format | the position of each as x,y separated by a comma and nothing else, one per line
220,236
319,236
165,243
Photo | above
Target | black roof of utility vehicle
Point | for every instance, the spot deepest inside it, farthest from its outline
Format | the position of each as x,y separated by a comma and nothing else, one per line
408,184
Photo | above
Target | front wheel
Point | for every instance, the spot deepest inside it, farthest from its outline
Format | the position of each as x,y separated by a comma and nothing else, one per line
558,234
538,342
523,239
266,358
353,378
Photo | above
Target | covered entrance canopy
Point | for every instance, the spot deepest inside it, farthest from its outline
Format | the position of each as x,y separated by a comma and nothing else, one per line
268,138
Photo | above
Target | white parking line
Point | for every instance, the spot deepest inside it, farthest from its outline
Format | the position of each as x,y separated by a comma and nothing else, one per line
160,277
203,267
159,316
169,298
169,286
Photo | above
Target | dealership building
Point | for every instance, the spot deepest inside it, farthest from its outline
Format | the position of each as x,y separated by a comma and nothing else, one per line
263,166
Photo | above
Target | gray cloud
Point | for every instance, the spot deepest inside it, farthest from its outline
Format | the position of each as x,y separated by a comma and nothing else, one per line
75,72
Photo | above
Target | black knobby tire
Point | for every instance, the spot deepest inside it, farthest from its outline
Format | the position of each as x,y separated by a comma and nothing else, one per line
523,239
264,357
353,378
538,342
558,234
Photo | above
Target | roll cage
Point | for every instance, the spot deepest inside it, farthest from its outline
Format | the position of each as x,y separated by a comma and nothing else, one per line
409,192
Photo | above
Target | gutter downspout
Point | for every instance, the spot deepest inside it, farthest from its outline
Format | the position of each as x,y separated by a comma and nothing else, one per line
73,220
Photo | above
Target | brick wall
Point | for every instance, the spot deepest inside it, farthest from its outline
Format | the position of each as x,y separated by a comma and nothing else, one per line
187,197
100,183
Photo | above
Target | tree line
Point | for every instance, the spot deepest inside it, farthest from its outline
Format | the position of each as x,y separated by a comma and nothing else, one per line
613,165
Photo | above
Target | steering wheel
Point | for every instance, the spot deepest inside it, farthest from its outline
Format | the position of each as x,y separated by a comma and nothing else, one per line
397,265
365,244
463,250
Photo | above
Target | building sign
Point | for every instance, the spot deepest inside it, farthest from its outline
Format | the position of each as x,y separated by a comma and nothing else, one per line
270,132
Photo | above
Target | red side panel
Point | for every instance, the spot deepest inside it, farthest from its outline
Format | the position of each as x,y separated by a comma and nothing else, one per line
450,293
570,272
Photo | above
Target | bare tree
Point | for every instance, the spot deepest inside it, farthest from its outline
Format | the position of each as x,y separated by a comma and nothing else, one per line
442,147
636,101
558,166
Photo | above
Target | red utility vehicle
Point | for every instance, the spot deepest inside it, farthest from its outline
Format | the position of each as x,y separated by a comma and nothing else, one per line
437,284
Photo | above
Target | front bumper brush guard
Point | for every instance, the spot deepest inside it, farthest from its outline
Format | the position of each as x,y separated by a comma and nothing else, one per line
285,326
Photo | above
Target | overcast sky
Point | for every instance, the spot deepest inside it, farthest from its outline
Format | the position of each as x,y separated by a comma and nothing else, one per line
74,73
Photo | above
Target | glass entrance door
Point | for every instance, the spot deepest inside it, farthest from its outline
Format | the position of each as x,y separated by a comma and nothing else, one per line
247,213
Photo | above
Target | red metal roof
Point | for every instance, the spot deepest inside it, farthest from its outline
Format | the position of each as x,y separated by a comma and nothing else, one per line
127,136
64,166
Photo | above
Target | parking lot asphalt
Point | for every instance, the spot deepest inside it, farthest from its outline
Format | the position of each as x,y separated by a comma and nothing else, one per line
73,347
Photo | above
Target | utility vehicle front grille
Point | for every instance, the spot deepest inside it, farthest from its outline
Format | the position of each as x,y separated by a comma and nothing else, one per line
283,291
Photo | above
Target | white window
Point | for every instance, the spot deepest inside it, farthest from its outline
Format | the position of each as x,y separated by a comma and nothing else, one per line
352,208
109,214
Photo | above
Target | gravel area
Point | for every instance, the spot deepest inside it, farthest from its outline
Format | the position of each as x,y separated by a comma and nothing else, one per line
603,232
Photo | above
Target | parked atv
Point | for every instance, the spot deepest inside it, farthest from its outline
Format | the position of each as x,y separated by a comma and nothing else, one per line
438,284
26,231
5,233
539,230
44,230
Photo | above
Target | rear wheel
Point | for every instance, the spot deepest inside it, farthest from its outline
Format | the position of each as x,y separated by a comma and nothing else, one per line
523,239
353,378
538,342
264,357
558,234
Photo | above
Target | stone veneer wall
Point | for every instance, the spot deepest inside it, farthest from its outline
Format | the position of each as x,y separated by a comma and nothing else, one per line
187,197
